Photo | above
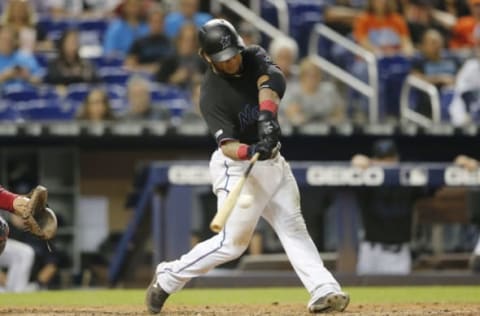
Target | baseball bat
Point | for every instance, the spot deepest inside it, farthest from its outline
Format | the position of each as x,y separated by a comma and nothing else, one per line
217,223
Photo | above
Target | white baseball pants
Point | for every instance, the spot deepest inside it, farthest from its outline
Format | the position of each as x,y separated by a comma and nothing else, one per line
277,199
18,258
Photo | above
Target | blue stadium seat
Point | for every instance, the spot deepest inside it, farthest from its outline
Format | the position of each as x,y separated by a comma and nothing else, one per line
114,75
48,92
446,97
302,16
42,59
77,92
47,110
163,92
110,61
171,98
20,93
117,96
55,28
392,72
8,112
92,31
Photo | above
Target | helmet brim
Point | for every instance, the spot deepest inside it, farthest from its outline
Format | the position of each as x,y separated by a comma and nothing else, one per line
225,54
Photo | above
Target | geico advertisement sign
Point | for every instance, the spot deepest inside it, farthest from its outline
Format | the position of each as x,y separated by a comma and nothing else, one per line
189,175
459,176
372,176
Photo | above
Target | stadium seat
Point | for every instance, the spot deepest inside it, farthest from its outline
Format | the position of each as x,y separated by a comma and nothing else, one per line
42,59
162,92
392,72
117,96
47,110
302,16
8,112
55,28
77,92
91,31
446,97
110,61
20,94
114,75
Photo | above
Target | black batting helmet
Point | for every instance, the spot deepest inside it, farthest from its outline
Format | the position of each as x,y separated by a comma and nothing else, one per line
219,40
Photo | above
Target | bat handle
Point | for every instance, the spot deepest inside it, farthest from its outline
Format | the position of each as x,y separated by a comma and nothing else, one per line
253,160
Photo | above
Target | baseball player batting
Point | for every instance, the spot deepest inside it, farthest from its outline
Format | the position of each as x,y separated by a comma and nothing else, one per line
239,101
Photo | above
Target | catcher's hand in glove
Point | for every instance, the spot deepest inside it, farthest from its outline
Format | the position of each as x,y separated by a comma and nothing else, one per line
38,219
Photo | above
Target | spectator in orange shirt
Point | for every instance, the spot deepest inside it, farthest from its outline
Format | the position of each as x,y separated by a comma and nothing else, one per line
383,31
465,28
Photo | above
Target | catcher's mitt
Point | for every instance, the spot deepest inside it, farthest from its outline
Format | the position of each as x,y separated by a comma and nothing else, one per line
4,230
38,218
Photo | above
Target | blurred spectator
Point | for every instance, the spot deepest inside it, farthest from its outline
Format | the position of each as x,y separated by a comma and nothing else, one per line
68,67
456,8
125,29
185,65
387,217
96,107
16,66
284,53
140,101
147,53
433,66
249,34
382,31
20,16
340,14
80,8
465,30
420,17
465,106
192,114
313,99
471,165
187,13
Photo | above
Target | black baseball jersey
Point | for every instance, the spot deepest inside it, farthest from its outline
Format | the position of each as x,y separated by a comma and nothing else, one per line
229,103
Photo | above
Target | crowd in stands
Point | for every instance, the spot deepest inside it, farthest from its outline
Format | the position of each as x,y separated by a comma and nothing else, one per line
57,51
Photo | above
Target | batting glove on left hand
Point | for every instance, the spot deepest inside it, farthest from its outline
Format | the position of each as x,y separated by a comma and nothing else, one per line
266,149
268,126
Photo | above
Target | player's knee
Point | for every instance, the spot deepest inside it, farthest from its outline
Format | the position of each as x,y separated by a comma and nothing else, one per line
295,225
234,251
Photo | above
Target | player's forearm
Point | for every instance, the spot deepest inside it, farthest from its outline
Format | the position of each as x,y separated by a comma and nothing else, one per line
235,150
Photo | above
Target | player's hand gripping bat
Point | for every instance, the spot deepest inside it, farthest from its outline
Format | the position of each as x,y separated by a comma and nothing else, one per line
217,223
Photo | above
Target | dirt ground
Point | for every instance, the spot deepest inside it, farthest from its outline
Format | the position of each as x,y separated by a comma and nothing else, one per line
254,310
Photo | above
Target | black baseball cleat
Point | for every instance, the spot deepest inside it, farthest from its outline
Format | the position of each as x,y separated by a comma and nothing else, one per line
155,297
332,302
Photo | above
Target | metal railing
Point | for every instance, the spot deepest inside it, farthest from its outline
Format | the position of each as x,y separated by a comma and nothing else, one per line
370,90
408,114
250,16
282,12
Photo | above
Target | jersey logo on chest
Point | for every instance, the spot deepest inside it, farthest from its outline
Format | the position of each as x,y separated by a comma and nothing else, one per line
248,116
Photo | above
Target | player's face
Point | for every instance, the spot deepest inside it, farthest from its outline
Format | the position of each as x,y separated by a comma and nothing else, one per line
231,66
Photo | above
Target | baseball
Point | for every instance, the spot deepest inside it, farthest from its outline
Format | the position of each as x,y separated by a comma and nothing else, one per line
245,200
